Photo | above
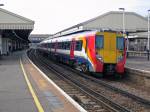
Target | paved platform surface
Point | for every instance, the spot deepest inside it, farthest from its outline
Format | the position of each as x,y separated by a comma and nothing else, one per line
15,95
140,63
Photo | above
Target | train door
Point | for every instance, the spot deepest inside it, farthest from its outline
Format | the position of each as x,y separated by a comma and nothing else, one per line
72,48
110,48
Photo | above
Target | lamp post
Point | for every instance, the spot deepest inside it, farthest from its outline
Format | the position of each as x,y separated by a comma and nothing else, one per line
123,27
123,21
148,38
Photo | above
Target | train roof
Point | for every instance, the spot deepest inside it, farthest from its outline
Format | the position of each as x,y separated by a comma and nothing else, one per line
77,33
83,32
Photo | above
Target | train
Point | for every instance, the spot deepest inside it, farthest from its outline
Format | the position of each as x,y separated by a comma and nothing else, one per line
100,52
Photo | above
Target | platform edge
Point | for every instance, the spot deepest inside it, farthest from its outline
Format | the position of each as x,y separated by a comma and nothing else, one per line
81,109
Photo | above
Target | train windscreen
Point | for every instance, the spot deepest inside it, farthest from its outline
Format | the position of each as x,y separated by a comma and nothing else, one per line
99,42
120,43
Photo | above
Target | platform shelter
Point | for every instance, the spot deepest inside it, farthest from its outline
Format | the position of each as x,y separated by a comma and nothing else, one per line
14,31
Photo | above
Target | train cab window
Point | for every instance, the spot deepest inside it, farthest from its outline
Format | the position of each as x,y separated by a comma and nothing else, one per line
99,42
120,43
78,46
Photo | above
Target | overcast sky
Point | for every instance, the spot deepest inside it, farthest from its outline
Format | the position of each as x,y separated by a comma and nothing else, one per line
51,16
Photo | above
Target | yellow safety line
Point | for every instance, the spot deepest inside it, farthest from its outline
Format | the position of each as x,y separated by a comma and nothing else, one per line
36,100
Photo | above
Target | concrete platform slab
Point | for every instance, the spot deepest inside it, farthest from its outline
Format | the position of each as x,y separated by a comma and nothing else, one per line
15,93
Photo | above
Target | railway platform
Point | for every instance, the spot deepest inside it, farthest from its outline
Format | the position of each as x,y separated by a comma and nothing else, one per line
138,63
24,88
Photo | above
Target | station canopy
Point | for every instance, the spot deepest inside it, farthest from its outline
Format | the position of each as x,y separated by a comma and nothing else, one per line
14,26
112,20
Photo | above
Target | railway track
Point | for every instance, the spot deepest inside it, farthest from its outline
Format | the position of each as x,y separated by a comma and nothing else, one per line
93,91
108,85
83,97
75,92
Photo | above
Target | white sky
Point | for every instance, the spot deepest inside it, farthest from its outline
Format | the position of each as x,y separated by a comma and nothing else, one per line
51,16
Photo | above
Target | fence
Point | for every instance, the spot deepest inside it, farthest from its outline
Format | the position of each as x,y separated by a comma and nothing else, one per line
137,54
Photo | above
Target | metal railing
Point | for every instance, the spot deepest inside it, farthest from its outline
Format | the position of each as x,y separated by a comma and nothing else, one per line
137,53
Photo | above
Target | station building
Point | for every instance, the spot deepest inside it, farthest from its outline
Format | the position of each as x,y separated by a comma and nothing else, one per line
37,38
14,31
135,27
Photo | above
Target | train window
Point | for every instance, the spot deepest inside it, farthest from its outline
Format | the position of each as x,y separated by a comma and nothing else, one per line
44,45
59,45
99,42
120,43
53,45
78,45
56,45
49,45
63,45
67,45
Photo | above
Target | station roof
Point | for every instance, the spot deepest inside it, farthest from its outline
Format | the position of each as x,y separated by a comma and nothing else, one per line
9,20
15,26
112,20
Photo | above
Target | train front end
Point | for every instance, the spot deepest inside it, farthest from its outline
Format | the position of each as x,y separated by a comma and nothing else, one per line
110,50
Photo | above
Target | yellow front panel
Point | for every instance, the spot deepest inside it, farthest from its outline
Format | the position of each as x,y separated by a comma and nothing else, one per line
109,48
109,53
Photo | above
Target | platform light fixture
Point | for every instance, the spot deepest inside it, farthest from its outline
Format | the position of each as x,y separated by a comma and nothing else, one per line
148,50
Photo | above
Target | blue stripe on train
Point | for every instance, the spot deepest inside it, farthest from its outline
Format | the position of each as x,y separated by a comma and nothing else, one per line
79,60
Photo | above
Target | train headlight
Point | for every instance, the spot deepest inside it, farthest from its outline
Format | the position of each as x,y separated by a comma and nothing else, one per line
119,58
99,58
